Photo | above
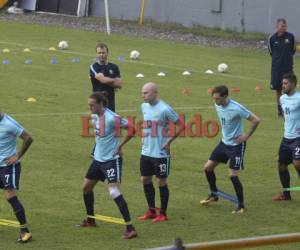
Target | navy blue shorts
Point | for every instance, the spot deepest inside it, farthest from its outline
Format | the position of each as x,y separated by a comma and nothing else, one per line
110,170
222,153
10,176
289,150
160,167
276,79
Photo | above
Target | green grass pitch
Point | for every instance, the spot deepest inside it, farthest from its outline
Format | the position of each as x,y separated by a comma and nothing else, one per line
54,167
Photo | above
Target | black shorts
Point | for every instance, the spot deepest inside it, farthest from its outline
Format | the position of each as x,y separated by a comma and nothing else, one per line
222,153
276,79
10,176
160,167
289,150
110,170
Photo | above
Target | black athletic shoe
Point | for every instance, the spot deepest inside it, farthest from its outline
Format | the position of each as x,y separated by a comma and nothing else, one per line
209,199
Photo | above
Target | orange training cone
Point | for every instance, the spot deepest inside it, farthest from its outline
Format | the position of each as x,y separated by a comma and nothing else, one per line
186,91
259,88
235,89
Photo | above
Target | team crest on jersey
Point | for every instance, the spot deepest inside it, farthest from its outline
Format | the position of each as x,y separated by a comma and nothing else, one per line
111,71
287,40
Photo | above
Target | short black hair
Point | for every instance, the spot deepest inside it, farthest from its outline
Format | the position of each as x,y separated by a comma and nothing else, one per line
291,77
102,45
281,20
221,89
100,97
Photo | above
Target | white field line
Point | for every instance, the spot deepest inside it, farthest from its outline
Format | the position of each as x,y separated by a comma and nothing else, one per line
131,110
136,62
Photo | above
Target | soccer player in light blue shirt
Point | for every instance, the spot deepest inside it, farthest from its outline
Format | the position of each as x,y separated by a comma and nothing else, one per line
10,167
107,163
289,150
156,141
231,118
232,146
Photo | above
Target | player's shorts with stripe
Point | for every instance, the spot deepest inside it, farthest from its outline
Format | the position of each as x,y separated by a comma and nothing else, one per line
10,176
110,170
289,150
222,153
160,167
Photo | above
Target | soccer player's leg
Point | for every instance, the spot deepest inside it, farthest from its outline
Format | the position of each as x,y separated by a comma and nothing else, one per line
296,155
238,187
147,170
276,85
236,155
284,159
10,177
162,170
113,171
92,176
218,155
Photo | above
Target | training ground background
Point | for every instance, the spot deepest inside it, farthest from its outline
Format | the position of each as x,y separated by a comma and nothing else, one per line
55,165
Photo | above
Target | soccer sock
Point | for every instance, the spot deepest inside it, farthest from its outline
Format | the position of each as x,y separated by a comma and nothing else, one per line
150,195
285,181
211,178
89,205
238,187
164,198
19,212
122,205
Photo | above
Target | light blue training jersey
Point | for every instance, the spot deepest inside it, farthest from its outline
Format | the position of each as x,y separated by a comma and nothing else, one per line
10,130
291,108
156,121
231,117
106,129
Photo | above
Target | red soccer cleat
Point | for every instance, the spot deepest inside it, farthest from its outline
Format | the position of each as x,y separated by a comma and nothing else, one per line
150,214
281,197
160,218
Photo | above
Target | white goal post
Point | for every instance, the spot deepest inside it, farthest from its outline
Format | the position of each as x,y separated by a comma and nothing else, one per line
107,17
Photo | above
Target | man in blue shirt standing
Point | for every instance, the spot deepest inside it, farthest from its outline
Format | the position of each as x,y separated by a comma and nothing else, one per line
232,146
107,162
156,141
289,150
282,47
10,167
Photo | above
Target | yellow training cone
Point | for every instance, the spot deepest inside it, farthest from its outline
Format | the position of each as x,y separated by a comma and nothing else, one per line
52,49
27,50
5,50
31,99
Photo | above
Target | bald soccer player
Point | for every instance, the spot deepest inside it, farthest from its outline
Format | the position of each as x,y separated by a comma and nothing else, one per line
155,158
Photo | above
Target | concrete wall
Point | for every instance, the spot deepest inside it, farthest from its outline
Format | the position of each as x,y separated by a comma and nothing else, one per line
240,15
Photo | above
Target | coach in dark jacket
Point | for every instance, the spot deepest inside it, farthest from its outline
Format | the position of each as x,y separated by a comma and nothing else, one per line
282,47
